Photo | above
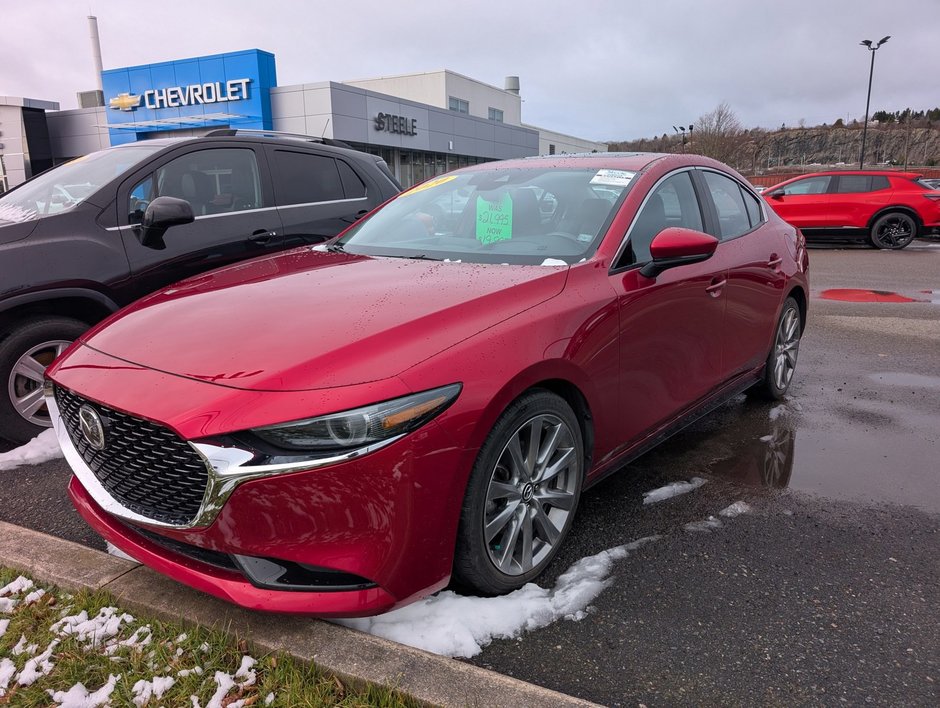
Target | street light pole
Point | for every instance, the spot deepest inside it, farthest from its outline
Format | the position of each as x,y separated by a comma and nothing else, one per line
872,47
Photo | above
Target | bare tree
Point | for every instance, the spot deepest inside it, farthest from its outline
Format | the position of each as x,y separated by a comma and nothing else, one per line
718,134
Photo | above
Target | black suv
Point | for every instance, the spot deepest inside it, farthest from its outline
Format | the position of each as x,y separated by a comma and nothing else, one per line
85,238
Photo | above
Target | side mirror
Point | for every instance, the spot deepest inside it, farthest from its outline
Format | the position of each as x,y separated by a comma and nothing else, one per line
775,193
161,214
676,246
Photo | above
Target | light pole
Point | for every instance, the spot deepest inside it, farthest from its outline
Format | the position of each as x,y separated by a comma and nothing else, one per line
872,47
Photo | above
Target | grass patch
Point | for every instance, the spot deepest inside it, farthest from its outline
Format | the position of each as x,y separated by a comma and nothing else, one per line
186,666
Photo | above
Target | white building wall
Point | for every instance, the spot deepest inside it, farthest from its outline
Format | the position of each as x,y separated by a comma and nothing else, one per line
565,143
434,88
305,109
12,157
78,132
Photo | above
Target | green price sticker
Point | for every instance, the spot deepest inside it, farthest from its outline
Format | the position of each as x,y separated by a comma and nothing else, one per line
494,219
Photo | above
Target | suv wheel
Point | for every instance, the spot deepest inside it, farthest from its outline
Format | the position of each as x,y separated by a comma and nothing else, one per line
894,230
24,355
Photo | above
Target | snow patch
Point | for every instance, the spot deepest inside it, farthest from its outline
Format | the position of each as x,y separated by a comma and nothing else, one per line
42,448
553,262
3,626
16,586
736,509
225,684
705,526
34,596
777,411
79,697
269,699
118,553
94,631
672,490
456,625
7,671
155,688
37,666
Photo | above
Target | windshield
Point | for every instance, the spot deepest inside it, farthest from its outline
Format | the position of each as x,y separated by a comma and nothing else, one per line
66,186
517,215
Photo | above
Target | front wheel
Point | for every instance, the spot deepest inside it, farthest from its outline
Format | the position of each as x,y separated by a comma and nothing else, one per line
24,355
781,361
894,231
521,497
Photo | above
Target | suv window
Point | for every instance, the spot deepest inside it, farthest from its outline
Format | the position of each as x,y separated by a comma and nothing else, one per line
733,219
672,203
352,183
213,181
810,185
879,182
305,178
850,184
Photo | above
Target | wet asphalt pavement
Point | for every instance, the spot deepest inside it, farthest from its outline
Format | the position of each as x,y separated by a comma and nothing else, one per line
827,593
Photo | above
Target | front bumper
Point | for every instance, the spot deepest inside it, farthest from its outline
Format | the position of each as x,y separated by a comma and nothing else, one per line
388,517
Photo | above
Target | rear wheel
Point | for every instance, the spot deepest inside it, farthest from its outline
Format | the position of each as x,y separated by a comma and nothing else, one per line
24,355
521,497
781,361
893,230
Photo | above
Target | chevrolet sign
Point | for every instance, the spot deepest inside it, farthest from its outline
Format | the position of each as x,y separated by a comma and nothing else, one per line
176,96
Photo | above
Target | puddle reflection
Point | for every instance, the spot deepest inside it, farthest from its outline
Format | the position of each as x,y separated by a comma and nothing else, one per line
764,457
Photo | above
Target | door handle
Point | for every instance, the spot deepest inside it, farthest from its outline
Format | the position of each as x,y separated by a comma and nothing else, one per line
262,236
361,213
774,261
715,288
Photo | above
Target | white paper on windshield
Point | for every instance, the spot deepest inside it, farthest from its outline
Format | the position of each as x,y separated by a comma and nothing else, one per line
613,178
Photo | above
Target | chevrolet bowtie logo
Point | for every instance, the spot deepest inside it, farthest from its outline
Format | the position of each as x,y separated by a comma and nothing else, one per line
125,102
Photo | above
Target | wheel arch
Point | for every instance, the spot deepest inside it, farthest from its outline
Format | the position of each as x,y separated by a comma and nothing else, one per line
85,305
798,294
904,209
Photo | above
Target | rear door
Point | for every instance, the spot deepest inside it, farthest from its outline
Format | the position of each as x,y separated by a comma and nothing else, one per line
317,194
856,198
805,203
227,186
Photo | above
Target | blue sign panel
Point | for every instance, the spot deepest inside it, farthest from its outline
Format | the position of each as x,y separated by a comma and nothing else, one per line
214,91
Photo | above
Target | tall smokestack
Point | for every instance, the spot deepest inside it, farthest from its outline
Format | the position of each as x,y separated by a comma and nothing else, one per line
96,50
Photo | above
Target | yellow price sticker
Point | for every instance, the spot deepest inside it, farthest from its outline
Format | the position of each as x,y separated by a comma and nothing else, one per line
430,184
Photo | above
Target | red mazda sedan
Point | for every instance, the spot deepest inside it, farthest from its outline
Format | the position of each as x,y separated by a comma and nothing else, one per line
342,430
888,209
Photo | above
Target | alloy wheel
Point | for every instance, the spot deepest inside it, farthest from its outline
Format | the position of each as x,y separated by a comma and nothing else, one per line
26,378
786,348
893,231
531,494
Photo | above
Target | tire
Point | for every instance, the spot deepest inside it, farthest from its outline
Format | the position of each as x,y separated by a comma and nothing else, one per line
519,505
781,361
894,230
24,354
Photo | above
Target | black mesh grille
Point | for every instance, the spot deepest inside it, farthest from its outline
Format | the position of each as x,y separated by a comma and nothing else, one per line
146,467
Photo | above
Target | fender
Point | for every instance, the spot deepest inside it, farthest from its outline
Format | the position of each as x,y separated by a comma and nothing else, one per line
59,294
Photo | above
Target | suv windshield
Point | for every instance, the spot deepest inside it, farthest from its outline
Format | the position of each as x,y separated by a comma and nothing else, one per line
499,215
66,186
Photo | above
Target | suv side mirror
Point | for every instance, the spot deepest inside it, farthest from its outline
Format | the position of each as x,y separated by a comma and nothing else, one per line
675,246
161,214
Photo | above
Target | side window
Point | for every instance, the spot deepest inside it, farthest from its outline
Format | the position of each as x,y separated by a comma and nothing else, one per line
138,200
305,178
879,182
729,205
214,181
850,184
810,185
753,208
672,203
353,187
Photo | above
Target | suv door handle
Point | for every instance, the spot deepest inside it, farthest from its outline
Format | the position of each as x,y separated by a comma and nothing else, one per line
262,236
361,213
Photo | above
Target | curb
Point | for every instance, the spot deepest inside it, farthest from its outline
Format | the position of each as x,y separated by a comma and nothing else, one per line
351,655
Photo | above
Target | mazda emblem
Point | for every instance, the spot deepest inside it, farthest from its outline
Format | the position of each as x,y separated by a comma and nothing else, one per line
92,429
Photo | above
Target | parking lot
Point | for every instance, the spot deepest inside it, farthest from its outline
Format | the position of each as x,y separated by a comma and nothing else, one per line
826,592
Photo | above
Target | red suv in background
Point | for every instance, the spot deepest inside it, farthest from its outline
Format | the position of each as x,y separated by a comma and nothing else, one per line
888,209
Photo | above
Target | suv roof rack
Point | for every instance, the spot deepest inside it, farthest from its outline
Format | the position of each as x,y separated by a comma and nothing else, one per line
228,132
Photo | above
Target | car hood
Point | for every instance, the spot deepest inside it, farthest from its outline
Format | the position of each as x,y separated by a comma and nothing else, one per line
304,319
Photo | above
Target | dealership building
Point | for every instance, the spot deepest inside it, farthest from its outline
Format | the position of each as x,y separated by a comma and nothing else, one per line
421,124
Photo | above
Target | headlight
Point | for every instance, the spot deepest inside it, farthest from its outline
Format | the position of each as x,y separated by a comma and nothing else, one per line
362,426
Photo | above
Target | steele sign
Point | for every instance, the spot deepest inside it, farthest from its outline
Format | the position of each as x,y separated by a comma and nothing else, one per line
396,124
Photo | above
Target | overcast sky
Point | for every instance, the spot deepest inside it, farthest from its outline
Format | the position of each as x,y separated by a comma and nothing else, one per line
606,70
